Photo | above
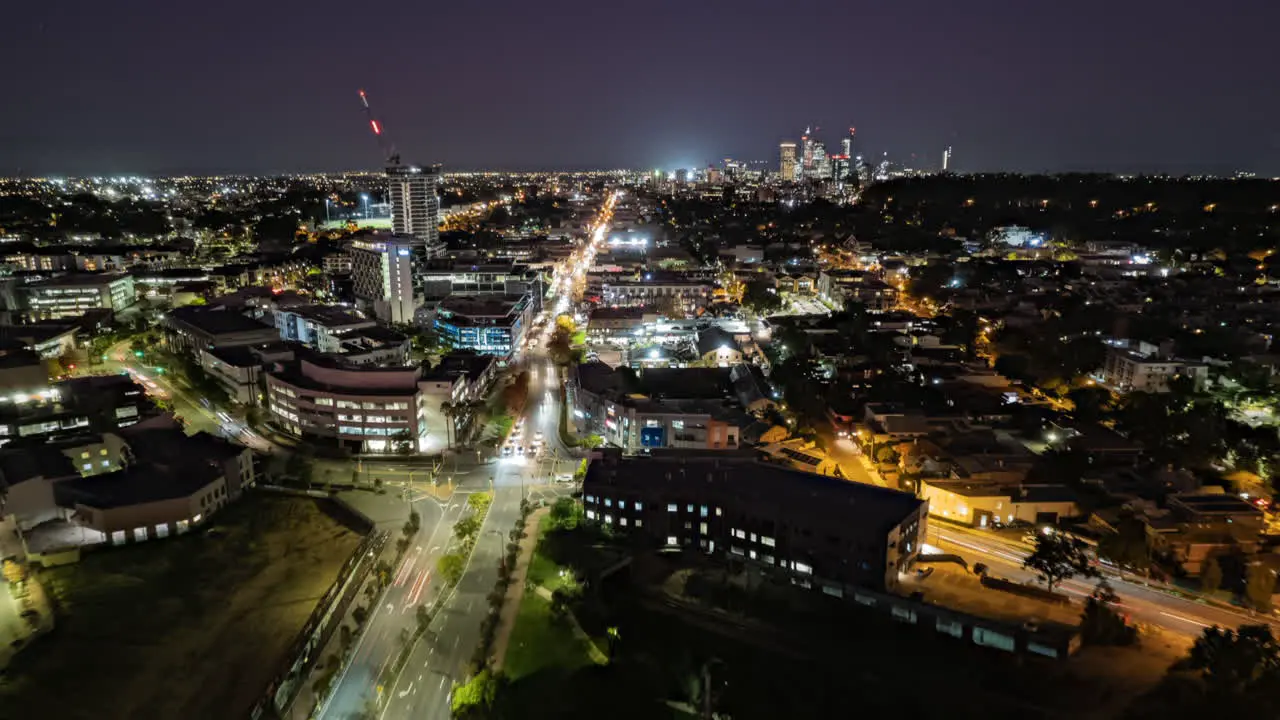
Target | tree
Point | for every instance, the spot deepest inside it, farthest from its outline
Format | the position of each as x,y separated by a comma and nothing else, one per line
466,528
450,567
887,455
1129,546
1236,662
1091,403
423,616
345,637
565,514
479,502
1259,585
760,297
592,442
1100,624
1058,557
1210,575
474,699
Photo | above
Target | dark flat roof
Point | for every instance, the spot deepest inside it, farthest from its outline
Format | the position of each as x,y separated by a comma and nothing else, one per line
217,320
736,479
134,486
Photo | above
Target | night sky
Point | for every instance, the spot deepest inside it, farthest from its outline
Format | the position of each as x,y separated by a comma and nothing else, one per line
165,86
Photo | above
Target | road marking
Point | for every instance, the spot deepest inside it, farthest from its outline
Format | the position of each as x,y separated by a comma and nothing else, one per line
1183,619
457,641
442,679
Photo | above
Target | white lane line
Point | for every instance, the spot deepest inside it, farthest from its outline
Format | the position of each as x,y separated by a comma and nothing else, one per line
442,678
1183,619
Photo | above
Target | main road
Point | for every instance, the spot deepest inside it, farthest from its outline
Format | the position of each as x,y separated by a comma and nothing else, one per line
1179,612
422,689
1153,604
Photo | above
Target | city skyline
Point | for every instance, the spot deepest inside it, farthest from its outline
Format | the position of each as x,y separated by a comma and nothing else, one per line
200,91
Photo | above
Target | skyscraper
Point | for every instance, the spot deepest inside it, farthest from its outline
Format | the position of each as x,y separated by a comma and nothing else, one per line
946,159
820,165
787,164
806,153
846,144
415,204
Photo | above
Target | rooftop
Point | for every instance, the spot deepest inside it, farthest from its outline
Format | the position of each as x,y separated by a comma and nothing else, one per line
817,501
80,279
216,320
134,486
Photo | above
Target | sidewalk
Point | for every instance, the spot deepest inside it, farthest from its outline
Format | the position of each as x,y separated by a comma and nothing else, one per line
515,588
388,512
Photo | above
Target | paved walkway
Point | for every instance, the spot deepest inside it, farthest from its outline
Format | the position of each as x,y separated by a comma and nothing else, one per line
515,589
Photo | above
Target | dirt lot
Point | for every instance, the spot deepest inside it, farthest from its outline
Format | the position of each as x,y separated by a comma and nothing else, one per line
188,627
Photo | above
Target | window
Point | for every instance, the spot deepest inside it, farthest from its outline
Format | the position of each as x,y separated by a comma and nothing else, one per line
591,498
608,519
752,554
182,526
84,454
719,512
197,518
688,508
117,537
950,627
608,502
766,541
88,467
671,507
139,534
802,568
702,511
103,451
702,528
740,534
639,522
106,463
753,537
591,514
162,531
622,521
324,401
639,506
673,540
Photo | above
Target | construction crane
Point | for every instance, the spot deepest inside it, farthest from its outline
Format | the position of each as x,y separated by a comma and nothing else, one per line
388,149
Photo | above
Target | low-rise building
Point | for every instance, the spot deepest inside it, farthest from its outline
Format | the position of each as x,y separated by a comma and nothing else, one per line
487,324
1128,370
321,327
822,532
195,327
366,409
984,505
140,484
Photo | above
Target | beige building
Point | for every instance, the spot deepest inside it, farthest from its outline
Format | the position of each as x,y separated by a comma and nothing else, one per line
987,504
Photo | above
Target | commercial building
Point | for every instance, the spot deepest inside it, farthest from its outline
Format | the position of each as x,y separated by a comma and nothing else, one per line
820,532
75,294
194,327
692,408
440,279
367,409
382,276
415,205
321,327
139,484
787,164
487,324
70,408
239,369
986,504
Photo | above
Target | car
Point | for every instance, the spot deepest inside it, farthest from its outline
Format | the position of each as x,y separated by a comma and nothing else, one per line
506,451
520,450
537,436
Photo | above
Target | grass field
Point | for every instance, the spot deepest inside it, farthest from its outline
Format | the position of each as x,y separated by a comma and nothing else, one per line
538,641
193,626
